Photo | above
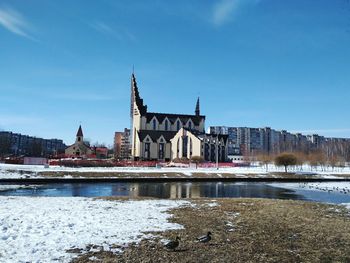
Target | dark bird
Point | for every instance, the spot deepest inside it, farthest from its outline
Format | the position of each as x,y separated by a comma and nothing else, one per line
173,244
205,239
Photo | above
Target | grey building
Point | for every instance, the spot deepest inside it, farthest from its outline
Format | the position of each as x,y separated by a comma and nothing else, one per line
18,144
246,141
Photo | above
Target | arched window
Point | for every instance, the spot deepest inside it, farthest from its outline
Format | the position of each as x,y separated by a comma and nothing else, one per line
154,124
190,124
178,148
166,125
190,147
178,125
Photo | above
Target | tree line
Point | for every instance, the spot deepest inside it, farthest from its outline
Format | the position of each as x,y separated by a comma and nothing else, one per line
316,159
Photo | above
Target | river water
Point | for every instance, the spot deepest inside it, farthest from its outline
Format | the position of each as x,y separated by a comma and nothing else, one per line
320,192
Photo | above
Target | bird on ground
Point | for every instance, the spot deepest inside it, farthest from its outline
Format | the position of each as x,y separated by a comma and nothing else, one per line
204,239
173,244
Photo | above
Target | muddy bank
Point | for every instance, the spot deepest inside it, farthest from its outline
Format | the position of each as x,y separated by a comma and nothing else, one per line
247,230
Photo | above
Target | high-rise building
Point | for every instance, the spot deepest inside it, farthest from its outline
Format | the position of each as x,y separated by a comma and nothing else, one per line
246,141
122,146
18,144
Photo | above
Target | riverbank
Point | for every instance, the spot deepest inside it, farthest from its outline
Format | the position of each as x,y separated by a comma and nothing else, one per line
26,171
246,230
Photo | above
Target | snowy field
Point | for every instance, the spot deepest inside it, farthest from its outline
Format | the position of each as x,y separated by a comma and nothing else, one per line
23,171
41,229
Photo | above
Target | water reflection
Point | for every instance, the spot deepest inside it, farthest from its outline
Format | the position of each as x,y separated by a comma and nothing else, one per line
182,190
159,190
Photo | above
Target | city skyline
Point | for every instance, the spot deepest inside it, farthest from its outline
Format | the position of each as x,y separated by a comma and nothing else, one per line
70,63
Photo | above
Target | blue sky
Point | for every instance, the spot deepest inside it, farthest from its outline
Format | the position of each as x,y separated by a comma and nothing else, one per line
282,64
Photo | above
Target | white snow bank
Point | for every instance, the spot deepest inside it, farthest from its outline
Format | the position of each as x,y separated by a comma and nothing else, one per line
41,229
22,171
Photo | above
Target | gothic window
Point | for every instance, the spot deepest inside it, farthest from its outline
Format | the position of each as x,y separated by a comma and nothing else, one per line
161,151
190,125
79,139
184,146
147,150
178,125
166,125
154,124
190,147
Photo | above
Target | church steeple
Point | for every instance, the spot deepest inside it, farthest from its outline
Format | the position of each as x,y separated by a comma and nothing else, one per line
136,99
197,108
80,135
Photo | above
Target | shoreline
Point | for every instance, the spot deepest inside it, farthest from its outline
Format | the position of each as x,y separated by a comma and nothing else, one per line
43,180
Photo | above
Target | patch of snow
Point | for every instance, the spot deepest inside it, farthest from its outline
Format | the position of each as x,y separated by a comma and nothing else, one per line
347,205
188,173
41,229
214,204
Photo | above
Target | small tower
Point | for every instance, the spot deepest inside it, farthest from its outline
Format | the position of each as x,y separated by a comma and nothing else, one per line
80,136
197,108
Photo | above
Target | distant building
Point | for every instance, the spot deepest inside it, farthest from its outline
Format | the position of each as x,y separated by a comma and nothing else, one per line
122,145
166,136
79,148
18,144
250,141
100,152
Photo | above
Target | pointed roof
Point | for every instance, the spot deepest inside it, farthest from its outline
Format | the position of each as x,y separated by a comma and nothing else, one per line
135,96
80,132
197,108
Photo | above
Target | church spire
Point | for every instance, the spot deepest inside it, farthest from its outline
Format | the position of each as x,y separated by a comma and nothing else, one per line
197,108
136,99
80,136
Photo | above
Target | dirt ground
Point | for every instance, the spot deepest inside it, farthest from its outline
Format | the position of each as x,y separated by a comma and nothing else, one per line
247,230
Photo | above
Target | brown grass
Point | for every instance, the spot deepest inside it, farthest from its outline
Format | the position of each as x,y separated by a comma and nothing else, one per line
274,175
263,231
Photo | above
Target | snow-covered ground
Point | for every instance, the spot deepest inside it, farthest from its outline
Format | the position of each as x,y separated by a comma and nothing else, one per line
23,171
41,229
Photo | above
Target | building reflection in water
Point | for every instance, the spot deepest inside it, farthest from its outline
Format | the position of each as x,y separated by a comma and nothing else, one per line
211,190
173,190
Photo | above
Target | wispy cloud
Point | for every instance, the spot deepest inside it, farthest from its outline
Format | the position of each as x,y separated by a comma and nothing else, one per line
120,33
102,27
14,22
225,10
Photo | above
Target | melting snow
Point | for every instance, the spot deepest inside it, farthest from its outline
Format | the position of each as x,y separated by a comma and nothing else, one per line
41,229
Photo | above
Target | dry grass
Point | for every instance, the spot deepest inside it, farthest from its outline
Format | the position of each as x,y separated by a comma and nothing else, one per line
51,174
249,230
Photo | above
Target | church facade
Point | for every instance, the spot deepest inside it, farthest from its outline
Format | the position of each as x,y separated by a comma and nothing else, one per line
79,148
167,136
